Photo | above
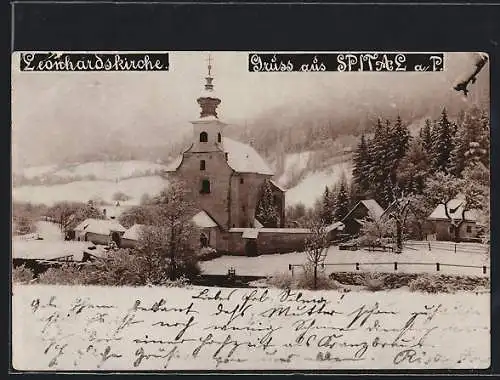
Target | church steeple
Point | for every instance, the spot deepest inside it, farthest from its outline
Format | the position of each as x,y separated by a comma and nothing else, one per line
209,101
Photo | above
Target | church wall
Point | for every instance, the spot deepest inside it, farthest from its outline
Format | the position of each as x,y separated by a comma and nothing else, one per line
218,172
244,198
268,242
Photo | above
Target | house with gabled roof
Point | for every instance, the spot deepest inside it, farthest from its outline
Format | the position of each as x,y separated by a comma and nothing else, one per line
467,222
99,231
364,209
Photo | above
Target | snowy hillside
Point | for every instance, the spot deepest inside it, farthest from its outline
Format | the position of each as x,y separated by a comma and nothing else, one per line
82,191
101,170
311,188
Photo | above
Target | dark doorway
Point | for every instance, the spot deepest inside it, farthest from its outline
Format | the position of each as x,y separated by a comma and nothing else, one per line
203,240
115,236
251,247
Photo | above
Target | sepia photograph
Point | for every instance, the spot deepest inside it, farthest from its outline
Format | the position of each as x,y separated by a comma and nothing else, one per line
250,211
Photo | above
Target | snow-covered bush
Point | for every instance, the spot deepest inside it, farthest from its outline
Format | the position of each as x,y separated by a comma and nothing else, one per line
22,275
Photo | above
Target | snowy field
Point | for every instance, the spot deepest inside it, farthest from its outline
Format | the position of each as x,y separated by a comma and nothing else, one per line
82,191
271,264
313,185
148,328
104,170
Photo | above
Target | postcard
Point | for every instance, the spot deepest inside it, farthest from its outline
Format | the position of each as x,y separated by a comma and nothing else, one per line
250,211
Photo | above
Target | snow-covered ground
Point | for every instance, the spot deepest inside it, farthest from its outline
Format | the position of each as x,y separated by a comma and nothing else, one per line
311,188
153,328
103,170
82,191
265,265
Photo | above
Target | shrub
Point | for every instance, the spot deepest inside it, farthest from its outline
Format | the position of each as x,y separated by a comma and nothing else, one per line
208,253
426,282
64,275
375,281
22,275
302,280
282,280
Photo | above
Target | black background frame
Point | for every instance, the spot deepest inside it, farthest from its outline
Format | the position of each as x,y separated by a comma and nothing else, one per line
278,26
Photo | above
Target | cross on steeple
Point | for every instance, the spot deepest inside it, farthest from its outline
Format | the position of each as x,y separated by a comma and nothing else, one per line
209,85
209,60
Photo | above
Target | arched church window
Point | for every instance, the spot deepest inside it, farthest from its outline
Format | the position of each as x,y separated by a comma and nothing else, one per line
205,186
203,137
219,137
202,165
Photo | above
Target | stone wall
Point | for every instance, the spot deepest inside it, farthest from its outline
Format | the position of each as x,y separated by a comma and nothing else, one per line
269,241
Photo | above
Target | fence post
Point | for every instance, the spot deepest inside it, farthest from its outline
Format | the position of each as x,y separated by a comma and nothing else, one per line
395,265
455,247
429,245
484,269
357,266
437,267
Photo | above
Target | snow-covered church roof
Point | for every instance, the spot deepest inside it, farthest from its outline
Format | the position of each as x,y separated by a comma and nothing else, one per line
242,158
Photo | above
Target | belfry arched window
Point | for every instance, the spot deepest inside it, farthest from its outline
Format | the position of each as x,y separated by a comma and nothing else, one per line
219,137
203,137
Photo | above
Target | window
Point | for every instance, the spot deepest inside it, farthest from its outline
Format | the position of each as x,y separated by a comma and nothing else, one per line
203,137
469,229
205,186
241,180
227,156
219,137
202,165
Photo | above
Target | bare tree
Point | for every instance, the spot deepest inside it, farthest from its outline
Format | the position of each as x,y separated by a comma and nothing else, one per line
316,245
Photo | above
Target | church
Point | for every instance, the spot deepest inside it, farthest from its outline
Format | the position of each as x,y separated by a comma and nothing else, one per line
227,178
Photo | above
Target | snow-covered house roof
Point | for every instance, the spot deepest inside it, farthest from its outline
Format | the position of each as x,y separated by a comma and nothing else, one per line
99,226
455,208
257,224
335,226
241,157
133,232
374,209
203,220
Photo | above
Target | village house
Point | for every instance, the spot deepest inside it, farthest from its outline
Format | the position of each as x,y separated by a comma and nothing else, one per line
227,177
444,227
99,231
364,209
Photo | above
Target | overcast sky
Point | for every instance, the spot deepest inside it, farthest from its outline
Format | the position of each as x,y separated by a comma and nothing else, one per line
65,111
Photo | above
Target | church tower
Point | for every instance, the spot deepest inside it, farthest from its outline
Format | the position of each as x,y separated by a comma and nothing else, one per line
208,129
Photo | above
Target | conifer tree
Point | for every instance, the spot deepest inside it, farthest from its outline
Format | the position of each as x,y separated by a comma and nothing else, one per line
327,207
361,168
426,136
266,212
342,201
442,144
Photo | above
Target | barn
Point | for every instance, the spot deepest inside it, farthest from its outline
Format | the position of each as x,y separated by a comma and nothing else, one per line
364,209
